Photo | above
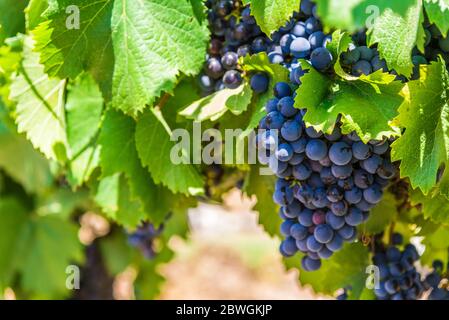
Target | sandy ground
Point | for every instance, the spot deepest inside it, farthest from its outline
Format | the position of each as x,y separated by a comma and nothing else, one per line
229,256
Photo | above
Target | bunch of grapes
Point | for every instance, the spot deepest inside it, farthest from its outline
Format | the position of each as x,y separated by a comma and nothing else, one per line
399,279
143,238
436,282
234,34
327,183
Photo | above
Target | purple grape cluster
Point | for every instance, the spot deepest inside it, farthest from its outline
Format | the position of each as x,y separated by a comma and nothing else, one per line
399,279
327,183
143,239
301,38
434,282
235,34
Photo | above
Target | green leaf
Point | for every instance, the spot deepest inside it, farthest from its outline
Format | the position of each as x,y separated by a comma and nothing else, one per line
119,155
116,252
214,106
84,109
47,246
381,215
438,13
66,50
367,105
34,12
154,146
40,105
425,117
12,19
273,14
396,37
13,217
153,41
356,14
345,268
434,207
114,197
436,245
262,187
23,163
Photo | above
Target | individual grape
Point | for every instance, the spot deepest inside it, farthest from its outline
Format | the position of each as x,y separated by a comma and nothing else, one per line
361,151
300,48
206,83
291,130
271,105
321,58
323,233
292,209
335,244
341,172
229,60
339,208
354,217
312,25
305,218
288,247
316,149
312,133
284,152
310,264
298,231
327,177
214,69
232,79
320,198
346,232
373,194
302,172
259,82
282,89
372,163
286,107
340,153
306,7
285,42
334,194
361,67
299,30
336,222
274,120
285,227
363,179
313,245
316,39
353,195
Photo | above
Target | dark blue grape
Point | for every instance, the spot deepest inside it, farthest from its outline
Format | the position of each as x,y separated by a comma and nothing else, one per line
300,48
316,149
323,233
259,83
282,89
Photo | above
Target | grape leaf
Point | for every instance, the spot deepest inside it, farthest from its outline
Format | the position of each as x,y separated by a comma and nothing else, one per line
434,206
40,106
214,106
425,116
116,252
149,40
438,13
50,245
345,268
436,245
153,42
113,196
119,130
13,217
84,109
22,162
34,12
396,37
273,14
367,105
356,14
381,215
154,146
12,19
262,186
